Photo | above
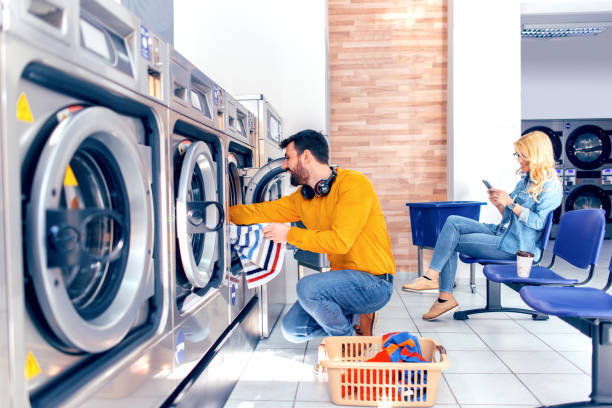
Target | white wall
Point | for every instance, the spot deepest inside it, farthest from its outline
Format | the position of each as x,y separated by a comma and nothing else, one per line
484,98
566,78
274,47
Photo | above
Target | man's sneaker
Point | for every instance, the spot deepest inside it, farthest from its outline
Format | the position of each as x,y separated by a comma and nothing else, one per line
440,309
367,322
422,285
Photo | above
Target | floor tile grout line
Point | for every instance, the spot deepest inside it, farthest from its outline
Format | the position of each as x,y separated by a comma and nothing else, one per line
559,352
504,363
420,335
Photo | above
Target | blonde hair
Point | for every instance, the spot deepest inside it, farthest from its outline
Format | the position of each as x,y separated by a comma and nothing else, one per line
536,148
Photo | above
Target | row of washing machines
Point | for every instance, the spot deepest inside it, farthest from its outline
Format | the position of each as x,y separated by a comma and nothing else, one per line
583,156
118,163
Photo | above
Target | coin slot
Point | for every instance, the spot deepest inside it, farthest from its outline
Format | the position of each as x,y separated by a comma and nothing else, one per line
154,83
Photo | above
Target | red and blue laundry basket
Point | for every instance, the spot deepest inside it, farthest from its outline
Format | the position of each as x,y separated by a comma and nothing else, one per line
355,381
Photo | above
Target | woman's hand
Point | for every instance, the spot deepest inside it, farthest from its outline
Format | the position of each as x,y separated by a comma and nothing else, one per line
499,197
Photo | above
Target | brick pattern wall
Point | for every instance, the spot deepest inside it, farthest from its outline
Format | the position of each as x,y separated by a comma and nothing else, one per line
388,63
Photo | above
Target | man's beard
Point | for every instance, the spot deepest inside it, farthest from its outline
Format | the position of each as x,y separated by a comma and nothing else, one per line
299,176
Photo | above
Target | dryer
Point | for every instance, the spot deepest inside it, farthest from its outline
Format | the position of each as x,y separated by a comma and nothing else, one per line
197,160
84,266
588,165
554,129
588,144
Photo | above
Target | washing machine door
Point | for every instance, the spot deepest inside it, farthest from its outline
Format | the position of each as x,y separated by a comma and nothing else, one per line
199,215
89,229
269,183
555,139
588,147
234,182
588,196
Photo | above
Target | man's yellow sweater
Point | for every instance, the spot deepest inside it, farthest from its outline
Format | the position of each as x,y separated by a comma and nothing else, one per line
348,224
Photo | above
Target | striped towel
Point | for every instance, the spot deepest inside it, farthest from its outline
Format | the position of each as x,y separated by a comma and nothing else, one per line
261,258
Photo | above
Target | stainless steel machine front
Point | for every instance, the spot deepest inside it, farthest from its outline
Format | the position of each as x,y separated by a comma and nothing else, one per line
197,159
84,270
268,183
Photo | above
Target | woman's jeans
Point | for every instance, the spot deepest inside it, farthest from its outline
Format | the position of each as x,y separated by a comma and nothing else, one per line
327,301
469,237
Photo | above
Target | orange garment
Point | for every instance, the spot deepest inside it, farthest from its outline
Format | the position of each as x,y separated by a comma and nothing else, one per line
396,347
348,224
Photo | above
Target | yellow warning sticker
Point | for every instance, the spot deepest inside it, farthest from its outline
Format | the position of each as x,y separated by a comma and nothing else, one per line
69,178
32,369
23,109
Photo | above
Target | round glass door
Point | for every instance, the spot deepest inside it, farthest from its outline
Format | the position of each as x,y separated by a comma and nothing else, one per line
199,215
89,238
588,147
268,184
588,196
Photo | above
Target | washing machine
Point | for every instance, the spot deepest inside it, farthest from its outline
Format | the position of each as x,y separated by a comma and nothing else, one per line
269,182
84,265
555,131
587,167
269,127
197,159
240,126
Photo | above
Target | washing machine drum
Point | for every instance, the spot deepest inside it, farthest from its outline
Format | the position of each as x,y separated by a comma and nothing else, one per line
268,183
199,215
588,147
89,229
233,179
588,196
555,139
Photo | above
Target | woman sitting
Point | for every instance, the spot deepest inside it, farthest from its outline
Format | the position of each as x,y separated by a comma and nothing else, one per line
524,213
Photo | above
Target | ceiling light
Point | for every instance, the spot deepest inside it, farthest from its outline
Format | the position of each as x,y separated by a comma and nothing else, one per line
562,30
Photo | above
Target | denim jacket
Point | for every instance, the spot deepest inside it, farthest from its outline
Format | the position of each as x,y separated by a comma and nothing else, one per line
524,232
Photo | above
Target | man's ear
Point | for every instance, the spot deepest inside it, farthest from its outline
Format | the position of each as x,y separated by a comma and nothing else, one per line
307,154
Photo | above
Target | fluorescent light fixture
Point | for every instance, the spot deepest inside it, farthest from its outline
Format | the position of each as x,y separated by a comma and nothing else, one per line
563,30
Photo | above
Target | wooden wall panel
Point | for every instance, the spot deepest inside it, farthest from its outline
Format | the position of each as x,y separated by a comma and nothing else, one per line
388,62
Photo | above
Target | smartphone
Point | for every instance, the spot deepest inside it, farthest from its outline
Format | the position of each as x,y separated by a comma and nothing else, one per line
487,184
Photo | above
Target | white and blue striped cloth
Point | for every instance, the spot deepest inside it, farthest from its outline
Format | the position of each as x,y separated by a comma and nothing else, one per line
261,258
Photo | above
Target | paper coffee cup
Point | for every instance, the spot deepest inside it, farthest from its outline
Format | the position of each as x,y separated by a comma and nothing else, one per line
524,260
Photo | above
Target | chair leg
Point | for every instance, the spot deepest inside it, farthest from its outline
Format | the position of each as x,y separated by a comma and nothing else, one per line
473,277
601,363
420,261
601,380
494,305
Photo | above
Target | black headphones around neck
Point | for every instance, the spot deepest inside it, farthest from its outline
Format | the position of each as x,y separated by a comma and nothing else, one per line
322,188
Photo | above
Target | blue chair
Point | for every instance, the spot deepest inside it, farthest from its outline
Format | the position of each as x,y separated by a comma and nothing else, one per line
578,242
590,311
494,288
483,261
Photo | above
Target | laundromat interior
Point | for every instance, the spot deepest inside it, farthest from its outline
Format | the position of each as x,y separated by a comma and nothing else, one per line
130,127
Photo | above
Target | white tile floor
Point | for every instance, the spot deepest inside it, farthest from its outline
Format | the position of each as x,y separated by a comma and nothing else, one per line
497,360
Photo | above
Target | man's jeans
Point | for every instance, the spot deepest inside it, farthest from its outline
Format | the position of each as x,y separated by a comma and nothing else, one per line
327,301
469,237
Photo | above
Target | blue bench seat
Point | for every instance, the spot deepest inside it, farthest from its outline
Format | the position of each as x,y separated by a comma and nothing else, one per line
578,242
590,311
539,275
590,303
